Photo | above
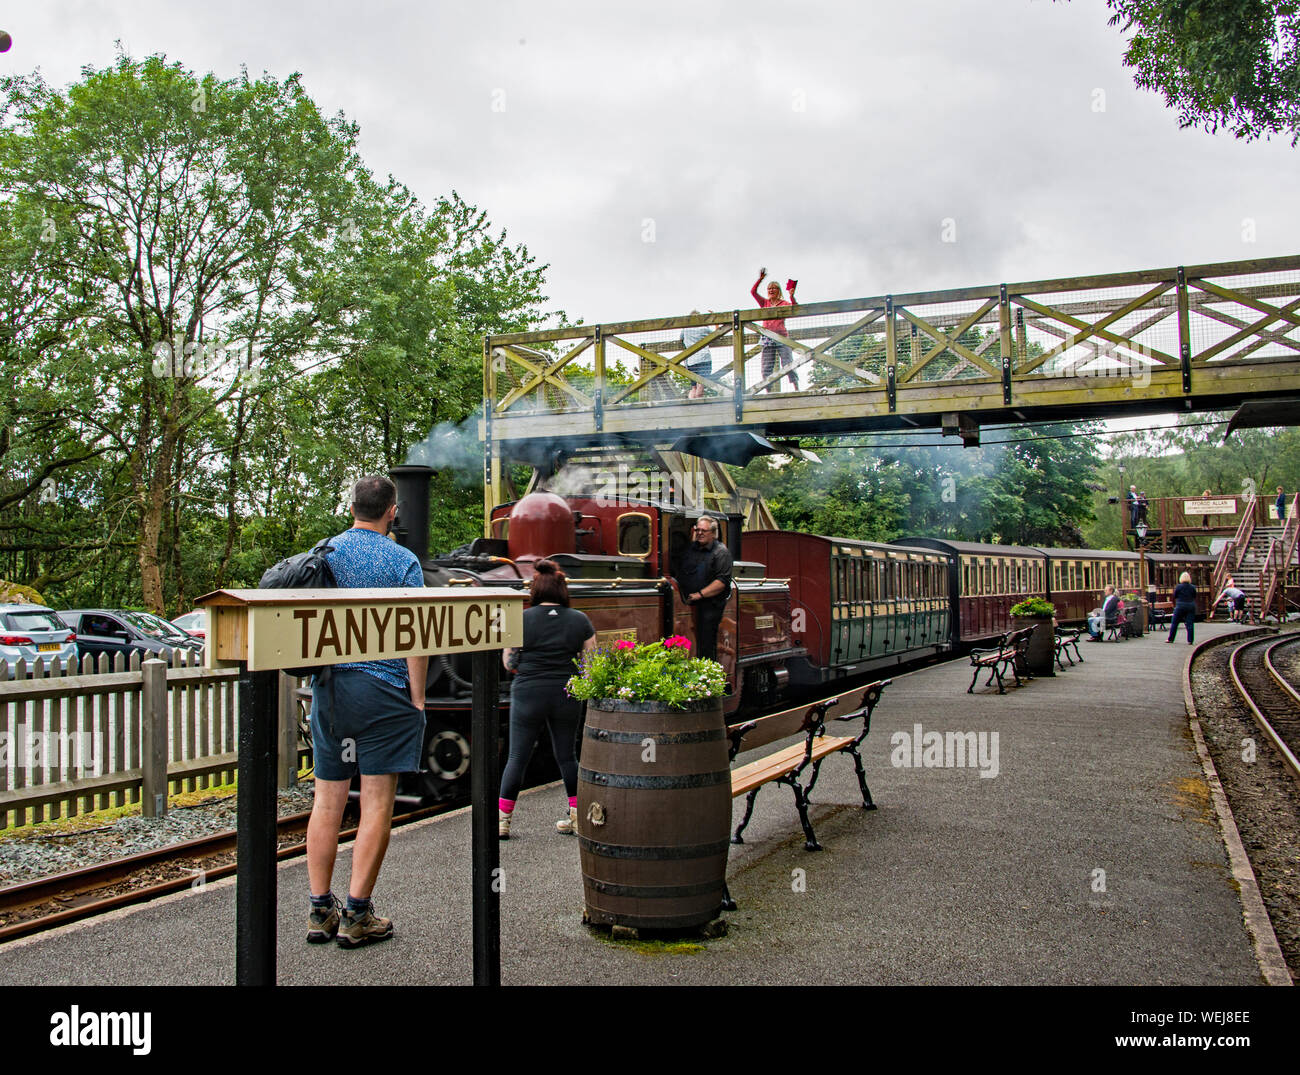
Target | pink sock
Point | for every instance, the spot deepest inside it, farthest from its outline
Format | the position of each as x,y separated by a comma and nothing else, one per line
506,806
573,802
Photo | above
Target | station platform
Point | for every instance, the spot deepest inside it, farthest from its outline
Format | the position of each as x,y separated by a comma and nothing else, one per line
1088,855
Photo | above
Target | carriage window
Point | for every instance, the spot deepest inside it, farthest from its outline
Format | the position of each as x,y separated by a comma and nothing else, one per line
634,534
1087,576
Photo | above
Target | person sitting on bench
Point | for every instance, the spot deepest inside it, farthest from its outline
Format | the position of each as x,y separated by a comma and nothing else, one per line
1101,616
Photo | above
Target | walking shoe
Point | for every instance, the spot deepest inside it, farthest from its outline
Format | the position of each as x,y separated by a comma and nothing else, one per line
503,825
364,928
568,826
323,922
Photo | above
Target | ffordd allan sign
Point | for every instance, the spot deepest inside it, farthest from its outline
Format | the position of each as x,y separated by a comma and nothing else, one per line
272,629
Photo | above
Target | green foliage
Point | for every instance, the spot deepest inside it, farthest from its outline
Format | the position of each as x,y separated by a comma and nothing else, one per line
652,672
1033,606
1033,491
1184,460
212,320
1223,64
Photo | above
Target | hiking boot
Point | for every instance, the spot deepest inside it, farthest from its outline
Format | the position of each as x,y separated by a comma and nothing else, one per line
568,826
364,928
323,922
503,825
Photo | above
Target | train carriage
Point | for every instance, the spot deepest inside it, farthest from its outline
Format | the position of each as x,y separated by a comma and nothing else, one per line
856,605
1077,579
984,581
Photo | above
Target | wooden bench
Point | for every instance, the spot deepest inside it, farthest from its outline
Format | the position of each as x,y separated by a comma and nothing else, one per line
1010,652
788,766
1065,638
1159,615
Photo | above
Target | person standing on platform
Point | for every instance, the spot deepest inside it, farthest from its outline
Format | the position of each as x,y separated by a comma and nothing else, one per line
775,355
704,579
1281,505
1184,607
368,719
554,636
1132,498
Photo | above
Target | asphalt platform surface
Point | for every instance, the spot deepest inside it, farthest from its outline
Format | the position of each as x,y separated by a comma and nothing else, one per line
1092,857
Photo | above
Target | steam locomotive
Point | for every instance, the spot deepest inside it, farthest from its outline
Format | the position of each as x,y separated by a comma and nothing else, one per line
805,612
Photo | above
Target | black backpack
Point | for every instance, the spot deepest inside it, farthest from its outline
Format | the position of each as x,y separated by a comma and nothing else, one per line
303,571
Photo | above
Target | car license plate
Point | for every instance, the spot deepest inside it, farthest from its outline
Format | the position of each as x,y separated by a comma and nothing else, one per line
49,647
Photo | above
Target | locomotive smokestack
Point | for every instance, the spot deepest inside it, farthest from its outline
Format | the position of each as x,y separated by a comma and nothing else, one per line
412,528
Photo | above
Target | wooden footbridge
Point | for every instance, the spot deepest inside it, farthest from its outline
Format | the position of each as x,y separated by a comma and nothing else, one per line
1190,338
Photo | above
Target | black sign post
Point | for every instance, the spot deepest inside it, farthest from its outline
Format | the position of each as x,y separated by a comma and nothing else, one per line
263,631
487,878
255,842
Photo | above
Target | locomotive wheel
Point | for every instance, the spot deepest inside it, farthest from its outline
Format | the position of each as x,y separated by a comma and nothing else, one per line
444,762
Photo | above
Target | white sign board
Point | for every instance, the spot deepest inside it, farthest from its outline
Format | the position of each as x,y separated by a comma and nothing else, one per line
272,629
1225,506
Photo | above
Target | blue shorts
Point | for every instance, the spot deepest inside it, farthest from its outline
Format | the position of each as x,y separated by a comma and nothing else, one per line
361,723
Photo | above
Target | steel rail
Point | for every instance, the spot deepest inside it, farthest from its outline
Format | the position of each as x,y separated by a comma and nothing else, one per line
81,883
1284,689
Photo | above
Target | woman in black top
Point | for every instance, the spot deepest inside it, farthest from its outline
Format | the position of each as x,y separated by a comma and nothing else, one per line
554,636
1184,607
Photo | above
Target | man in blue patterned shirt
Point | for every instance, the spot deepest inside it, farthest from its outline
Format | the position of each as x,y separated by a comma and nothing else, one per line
368,718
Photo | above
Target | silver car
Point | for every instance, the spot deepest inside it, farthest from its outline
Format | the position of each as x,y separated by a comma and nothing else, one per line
29,632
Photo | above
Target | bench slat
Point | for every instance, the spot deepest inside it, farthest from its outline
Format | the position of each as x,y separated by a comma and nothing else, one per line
785,761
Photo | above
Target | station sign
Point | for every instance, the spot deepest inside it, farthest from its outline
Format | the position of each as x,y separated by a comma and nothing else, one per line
274,629
1224,506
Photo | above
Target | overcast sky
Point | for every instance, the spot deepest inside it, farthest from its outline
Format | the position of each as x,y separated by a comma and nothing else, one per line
654,155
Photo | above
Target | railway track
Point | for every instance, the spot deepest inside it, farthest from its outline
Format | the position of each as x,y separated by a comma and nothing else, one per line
47,902
1271,699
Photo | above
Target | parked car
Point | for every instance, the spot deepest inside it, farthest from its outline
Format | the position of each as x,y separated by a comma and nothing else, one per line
194,623
115,630
28,632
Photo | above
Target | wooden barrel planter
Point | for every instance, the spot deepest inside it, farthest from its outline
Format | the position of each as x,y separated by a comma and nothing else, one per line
654,822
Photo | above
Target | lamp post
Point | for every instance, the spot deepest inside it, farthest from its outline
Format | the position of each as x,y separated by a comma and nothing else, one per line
1142,560
1123,507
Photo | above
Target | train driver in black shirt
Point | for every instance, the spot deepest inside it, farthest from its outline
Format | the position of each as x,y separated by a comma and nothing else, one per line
704,579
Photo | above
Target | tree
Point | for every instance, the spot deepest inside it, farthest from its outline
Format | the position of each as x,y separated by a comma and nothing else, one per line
187,227
1230,64
212,318
1035,490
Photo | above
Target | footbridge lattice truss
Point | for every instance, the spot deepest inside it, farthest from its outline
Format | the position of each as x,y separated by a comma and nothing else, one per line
1197,337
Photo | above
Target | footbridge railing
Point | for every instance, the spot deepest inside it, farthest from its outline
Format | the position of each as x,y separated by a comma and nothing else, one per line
1190,337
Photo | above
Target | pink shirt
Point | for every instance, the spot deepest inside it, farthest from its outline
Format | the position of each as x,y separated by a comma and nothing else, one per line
777,325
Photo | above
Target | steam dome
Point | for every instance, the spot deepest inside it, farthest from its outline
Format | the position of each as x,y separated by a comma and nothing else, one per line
541,524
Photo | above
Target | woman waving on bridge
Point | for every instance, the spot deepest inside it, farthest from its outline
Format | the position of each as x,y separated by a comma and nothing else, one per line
773,351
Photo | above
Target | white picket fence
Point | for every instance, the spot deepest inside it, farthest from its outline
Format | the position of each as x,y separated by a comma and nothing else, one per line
94,734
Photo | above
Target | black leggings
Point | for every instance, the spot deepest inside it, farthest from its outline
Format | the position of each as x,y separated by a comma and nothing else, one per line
535,704
1182,614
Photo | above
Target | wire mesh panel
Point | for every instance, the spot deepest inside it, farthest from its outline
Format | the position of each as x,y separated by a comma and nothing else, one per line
1244,318
1125,331
945,341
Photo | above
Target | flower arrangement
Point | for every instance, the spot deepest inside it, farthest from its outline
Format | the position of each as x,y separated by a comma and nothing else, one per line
1033,606
652,672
